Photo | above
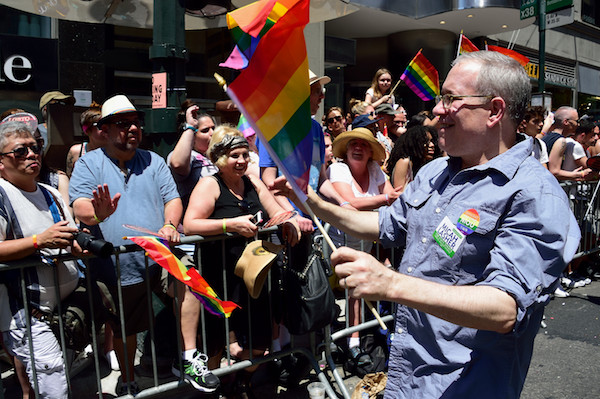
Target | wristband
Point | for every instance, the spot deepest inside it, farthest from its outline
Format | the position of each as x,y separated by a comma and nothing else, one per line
96,219
345,203
171,225
192,128
35,244
224,226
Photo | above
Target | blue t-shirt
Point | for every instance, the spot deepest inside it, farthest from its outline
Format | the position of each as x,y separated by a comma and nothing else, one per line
525,235
145,190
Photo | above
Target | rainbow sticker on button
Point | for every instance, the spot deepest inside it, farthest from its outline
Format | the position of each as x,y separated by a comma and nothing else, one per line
468,221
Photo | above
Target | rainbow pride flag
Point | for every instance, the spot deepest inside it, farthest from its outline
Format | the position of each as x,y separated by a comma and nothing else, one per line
465,45
248,25
245,127
273,90
422,78
157,248
521,59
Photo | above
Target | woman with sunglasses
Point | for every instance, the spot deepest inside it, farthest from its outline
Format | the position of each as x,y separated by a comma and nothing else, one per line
227,203
335,123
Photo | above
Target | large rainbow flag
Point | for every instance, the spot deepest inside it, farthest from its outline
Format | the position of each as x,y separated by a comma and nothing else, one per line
273,90
422,78
465,45
157,248
520,58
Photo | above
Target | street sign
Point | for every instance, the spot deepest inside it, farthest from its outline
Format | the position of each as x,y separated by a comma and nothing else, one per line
559,18
554,5
529,8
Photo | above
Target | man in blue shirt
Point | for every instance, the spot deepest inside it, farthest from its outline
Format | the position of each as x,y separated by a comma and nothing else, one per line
145,196
487,233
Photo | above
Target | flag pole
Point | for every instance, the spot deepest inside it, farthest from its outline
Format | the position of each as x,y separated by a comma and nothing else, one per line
459,43
395,86
299,193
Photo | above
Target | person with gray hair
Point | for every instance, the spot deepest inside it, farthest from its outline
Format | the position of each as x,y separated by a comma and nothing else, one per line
487,232
34,220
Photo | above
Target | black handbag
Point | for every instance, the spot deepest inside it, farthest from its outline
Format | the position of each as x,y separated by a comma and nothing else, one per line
307,299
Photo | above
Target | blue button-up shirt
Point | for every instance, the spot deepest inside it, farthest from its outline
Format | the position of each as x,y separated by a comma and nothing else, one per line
524,239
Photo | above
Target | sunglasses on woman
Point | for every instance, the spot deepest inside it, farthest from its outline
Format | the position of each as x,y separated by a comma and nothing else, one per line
335,118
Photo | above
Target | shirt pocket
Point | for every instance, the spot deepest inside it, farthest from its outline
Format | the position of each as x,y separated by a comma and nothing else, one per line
471,259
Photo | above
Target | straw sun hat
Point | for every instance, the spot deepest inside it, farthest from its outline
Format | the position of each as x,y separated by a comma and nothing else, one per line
340,144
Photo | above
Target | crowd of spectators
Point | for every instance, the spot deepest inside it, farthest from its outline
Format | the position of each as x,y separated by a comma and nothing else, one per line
213,182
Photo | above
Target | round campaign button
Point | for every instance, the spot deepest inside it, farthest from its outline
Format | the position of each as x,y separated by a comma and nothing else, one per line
468,221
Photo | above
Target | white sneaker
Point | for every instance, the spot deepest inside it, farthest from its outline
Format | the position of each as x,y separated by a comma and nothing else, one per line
560,293
111,358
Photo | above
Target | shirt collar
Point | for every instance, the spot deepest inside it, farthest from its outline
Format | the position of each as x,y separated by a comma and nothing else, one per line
506,163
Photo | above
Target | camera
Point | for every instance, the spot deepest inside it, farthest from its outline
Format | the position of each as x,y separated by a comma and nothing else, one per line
97,246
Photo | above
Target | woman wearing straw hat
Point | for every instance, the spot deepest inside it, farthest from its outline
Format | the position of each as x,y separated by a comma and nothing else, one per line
361,182
225,203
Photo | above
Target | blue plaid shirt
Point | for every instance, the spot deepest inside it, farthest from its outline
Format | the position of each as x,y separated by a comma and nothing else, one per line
525,236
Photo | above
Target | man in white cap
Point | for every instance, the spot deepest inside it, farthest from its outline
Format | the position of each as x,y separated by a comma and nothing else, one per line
146,196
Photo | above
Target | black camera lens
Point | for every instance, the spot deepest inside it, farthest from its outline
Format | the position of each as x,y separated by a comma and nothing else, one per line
97,246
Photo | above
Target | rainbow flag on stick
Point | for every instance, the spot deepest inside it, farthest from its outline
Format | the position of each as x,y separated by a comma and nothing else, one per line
465,45
521,59
273,90
422,78
157,248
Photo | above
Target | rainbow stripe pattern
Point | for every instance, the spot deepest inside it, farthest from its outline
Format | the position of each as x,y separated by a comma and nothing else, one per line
422,78
248,25
465,45
520,58
157,248
245,127
273,91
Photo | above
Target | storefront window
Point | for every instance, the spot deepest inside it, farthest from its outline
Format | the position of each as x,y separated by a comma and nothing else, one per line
589,105
590,12
14,22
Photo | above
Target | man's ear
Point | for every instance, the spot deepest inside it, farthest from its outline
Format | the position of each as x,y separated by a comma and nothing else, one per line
497,111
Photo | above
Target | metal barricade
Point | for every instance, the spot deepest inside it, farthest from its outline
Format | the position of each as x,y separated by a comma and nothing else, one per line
159,385
584,198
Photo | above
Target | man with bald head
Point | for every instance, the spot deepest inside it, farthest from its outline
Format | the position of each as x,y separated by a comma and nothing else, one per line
565,124
487,232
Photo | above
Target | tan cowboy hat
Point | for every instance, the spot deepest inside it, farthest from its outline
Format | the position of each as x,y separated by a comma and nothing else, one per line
117,105
254,264
341,143
312,78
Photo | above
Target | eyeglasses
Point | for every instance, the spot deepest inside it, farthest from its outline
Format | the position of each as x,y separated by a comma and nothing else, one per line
126,125
448,99
334,119
244,205
22,152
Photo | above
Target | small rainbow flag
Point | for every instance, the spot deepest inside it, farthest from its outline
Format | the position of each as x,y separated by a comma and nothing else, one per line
521,59
157,248
273,91
245,127
422,78
465,45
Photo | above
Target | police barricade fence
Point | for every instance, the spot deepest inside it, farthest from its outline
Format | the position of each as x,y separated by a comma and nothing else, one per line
159,385
584,199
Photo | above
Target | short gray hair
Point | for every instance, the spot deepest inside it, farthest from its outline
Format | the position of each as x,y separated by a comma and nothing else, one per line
13,129
501,76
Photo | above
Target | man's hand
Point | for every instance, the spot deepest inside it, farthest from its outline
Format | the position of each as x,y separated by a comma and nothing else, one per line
280,186
104,205
59,235
169,232
305,224
362,274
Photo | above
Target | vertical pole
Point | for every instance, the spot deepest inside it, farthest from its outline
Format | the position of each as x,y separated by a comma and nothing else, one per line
169,55
542,49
